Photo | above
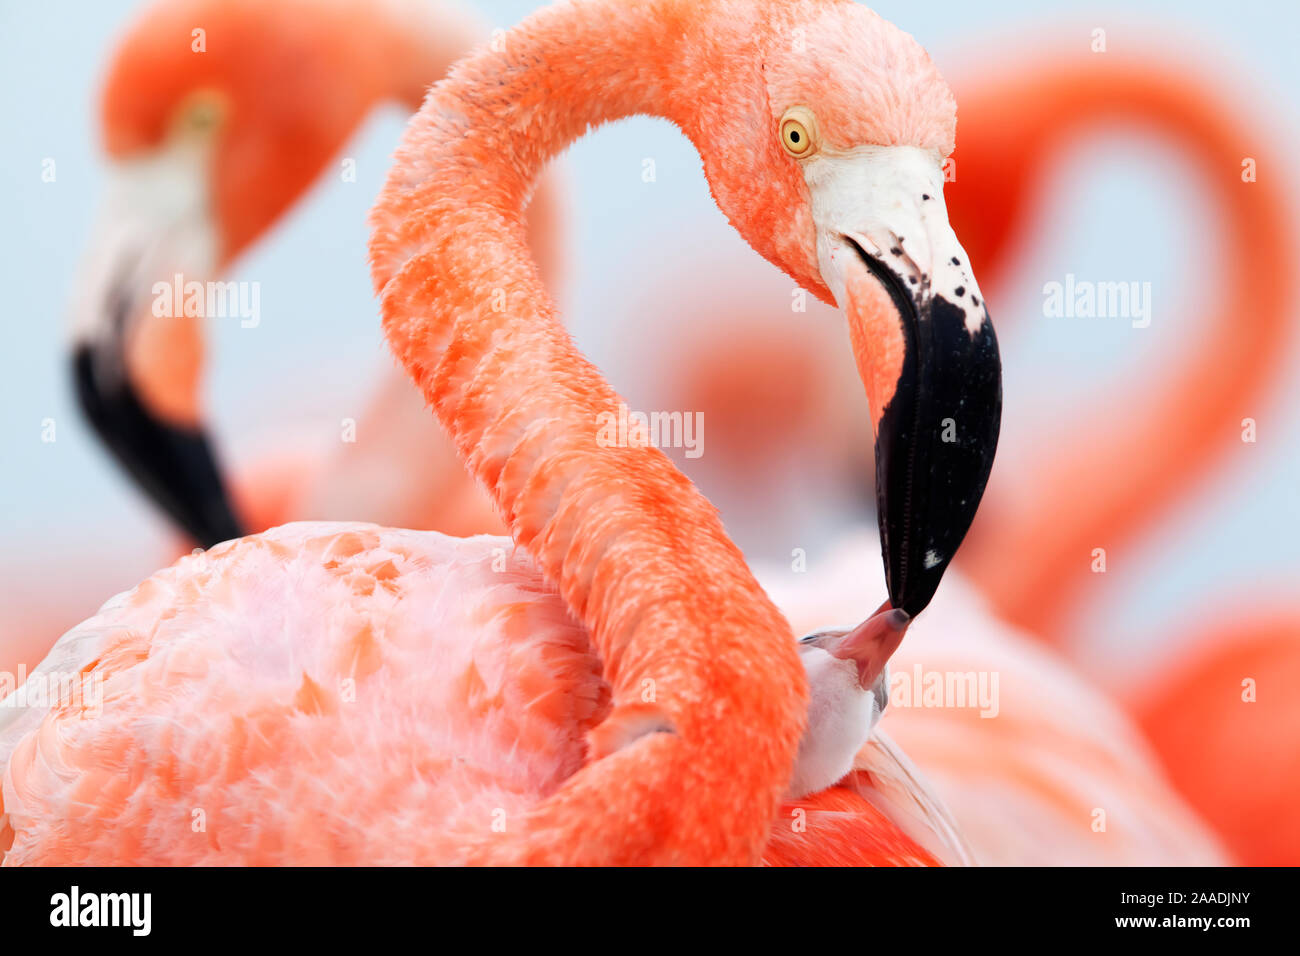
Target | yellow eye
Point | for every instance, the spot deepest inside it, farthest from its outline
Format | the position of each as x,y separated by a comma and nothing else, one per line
201,113
799,132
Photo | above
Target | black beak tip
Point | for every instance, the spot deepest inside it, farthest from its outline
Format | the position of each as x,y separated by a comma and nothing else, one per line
175,466
935,447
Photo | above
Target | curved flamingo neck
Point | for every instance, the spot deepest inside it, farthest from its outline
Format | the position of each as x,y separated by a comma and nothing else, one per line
689,641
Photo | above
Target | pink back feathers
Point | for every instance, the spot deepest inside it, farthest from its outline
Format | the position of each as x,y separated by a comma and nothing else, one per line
317,694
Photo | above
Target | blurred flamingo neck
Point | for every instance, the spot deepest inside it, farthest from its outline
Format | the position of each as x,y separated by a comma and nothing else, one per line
635,550
1025,549
419,42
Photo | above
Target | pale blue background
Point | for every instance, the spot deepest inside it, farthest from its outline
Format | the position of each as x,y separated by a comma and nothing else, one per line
1117,214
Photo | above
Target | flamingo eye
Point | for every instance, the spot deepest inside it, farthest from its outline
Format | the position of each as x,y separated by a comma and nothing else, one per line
799,132
201,113
203,116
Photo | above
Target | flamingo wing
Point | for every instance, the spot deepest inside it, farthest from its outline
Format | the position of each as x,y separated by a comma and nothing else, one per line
882,814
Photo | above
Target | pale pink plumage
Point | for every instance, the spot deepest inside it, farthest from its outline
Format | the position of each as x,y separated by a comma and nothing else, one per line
321,693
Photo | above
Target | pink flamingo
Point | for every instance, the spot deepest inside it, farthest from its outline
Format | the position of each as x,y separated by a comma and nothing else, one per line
309,670
1023,779
1023,550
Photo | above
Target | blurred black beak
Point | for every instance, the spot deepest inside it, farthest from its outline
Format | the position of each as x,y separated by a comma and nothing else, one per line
175,466
937,434
154,223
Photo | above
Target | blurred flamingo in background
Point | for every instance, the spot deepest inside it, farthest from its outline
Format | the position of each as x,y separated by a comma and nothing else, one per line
257,635
1024,786
1224,719
762,394
208,152
1234,759
1031,551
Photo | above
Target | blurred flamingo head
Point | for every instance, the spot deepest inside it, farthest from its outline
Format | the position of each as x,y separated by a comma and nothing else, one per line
826,151
252,99
216,116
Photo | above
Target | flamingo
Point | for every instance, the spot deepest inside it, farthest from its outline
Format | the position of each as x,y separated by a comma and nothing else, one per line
654,703
1024,782
208,152
1018,803
1040,517
1027,564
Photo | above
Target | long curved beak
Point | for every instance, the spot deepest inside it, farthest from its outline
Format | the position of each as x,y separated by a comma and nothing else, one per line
131,358
925,349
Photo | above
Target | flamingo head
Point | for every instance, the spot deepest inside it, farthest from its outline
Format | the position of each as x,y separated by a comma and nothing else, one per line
848,690
827,151
216,116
